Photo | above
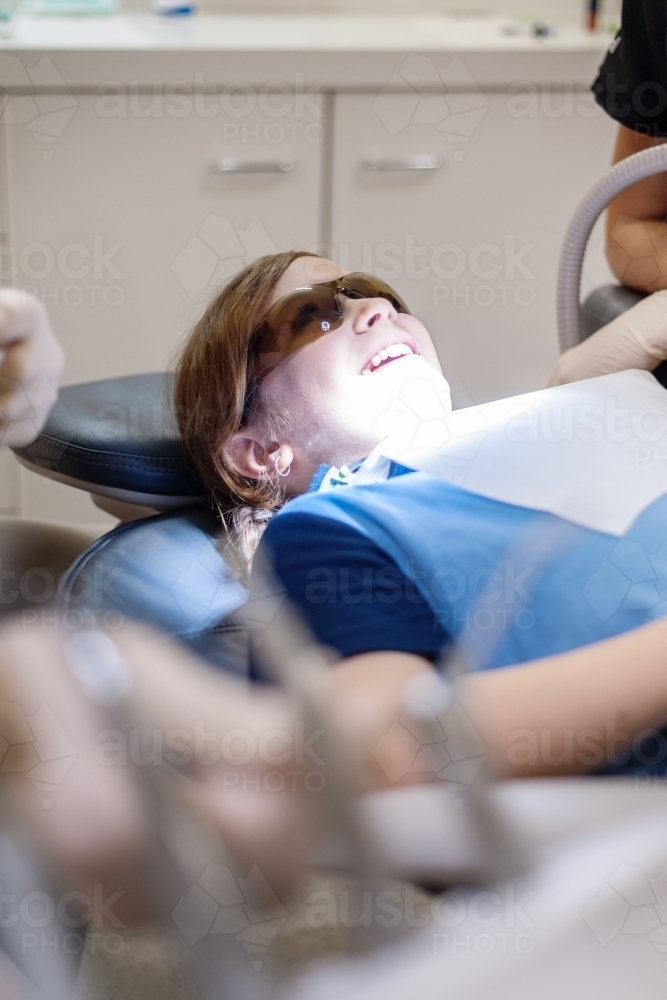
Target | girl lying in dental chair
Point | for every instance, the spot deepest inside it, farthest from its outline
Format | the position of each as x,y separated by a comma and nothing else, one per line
293,376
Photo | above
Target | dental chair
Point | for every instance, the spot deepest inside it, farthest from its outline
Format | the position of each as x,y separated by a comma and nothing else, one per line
118,439
604,304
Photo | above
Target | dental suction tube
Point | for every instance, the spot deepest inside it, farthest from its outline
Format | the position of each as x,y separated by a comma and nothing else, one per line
621,176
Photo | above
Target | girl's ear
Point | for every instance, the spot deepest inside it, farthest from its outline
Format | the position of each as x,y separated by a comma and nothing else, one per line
256,457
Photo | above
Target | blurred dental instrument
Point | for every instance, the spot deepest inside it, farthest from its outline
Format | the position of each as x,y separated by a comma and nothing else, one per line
182,845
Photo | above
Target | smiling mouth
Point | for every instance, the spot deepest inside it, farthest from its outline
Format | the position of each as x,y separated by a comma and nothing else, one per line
385,356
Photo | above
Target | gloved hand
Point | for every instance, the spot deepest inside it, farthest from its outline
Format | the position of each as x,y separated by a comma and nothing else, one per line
635,339
31,362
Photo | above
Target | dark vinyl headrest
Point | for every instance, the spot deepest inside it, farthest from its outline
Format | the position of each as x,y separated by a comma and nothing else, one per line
604,304
117,438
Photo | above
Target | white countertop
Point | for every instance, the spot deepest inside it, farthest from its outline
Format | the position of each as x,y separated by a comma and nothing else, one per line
337,52
331,33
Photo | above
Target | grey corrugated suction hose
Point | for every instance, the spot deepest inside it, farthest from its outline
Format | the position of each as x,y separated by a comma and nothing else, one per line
621,176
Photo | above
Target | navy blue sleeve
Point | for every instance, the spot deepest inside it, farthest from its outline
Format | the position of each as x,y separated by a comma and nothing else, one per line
352,595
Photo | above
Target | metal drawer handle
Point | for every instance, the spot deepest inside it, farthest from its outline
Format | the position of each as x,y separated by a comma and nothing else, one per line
422,161
230,165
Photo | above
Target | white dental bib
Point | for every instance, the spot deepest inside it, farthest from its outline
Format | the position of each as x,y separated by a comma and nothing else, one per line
592,452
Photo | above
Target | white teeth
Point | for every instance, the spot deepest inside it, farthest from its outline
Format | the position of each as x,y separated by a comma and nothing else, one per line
393,351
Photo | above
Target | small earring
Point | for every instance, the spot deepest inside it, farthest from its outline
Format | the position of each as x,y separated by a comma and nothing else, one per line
283,474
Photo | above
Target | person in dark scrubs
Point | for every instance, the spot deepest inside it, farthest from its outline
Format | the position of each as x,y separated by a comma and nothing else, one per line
632,88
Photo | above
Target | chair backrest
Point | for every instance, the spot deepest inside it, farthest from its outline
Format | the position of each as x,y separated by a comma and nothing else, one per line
119,438
604,304
169,571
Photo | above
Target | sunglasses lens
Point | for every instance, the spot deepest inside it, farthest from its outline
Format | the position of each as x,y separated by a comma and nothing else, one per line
367,286
299,318
306,318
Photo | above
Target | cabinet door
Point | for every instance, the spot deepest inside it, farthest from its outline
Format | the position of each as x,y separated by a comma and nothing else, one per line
472,245
124,224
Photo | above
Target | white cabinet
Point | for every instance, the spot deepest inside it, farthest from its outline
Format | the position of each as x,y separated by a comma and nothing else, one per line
472,245
123,224
126,210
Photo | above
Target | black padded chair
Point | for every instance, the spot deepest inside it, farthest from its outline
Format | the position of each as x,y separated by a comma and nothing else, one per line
118,438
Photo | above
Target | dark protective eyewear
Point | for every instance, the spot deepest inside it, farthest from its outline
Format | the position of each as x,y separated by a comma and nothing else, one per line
306,314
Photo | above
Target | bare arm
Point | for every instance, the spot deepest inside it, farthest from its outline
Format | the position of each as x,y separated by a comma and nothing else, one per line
564,714
596,700
636,226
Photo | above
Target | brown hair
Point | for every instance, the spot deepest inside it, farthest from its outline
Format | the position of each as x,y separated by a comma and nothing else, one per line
214,397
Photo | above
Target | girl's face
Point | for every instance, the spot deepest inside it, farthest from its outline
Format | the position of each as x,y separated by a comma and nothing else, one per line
338,395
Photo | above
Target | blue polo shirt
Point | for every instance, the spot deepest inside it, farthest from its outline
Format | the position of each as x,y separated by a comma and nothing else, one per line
412,562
